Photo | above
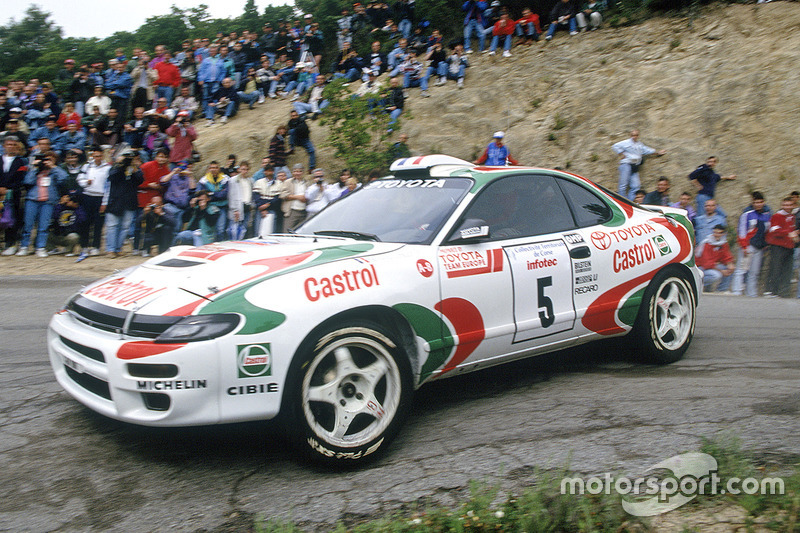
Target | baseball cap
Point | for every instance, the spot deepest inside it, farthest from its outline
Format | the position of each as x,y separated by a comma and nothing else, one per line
298,166
499,135
15,110
308,16
70,61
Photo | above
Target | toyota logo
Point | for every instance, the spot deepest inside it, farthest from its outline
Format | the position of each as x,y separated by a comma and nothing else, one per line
601,240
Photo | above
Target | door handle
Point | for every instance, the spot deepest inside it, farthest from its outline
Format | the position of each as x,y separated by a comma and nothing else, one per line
580,252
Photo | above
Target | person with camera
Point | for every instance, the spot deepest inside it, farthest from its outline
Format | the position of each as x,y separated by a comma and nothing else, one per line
180,186
93,180
347,64
316,197
183,134
42,182
201,220
124,180
155,227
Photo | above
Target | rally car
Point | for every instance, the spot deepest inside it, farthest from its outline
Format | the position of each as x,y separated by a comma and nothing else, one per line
440,268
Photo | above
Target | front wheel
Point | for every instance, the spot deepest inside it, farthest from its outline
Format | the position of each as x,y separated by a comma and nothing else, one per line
665,324
349,393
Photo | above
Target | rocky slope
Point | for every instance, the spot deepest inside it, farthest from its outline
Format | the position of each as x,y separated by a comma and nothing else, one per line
724,83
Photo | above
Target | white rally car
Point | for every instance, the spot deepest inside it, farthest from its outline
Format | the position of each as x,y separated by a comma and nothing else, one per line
440,268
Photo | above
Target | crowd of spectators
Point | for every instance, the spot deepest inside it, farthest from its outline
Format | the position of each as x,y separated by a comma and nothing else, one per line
767,243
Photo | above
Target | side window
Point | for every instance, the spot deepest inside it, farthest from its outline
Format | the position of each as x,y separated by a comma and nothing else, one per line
588,208
521,206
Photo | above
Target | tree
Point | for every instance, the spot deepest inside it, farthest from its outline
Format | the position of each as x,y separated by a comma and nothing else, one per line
358,129
250,19
23,42
169,30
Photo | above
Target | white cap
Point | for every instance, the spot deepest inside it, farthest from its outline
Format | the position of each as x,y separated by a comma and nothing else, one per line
499,135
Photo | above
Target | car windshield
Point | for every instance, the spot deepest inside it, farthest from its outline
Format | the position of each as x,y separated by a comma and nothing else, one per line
411,211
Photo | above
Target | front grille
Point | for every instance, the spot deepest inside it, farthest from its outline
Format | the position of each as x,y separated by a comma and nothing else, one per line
112,319
90,383
91,353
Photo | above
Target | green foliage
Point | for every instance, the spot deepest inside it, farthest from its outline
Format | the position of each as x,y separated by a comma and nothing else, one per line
169,30
560,122
25,41
358,135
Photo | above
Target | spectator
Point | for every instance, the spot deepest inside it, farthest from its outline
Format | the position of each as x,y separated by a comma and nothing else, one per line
12,176
455,68
41,181
72,166
704,223
300,135
184,136
562,15
631,154
216,183
48,130
119,84
223,101
591,15
347,64
317,196
210,74
715,260
528,26
124,180
404,13
185,102
414,74
660,196
107,130
474,23
248,92
153,141
399,150
705,180
277,149
496,153
752,230
638,197
180,187
72,139
294,204
397,56
155,228
160,114
134,130
66,226
38,111
503,28
685,202
93,180
100,100
67,114
782,236
268,194
395,101
314,102
377,61
169,78
240,203
144,79
155,174
201,221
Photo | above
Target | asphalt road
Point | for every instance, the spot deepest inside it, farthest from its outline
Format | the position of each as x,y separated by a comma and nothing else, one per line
64,468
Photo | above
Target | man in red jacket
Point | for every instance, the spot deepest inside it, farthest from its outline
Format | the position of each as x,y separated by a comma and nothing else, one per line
169,77
782,237
714,258
503,29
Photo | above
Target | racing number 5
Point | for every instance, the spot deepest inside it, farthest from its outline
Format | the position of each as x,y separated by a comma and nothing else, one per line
545,302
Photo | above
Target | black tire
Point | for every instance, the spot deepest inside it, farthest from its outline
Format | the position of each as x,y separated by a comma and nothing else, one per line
665,324
349,393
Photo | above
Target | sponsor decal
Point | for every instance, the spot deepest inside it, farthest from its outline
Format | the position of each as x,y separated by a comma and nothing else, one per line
261,388
638,254
586,278
475,231
541,263
407,184
210,252
573,238
425,268
458,262
582,266
346,281
121,292
603,240
139,349
662,245
586,289
175,384
254,360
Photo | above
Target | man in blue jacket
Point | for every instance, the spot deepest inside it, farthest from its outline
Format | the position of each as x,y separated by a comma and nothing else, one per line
473,23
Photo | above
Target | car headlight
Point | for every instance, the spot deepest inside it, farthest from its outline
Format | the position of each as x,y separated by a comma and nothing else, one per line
199,328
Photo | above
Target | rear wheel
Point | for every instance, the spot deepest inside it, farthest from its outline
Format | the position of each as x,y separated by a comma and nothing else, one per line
350,394
665,325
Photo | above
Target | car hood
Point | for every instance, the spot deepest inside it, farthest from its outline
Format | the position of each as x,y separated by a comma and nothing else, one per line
177,282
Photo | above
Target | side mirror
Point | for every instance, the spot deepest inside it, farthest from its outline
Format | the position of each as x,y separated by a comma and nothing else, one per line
471,230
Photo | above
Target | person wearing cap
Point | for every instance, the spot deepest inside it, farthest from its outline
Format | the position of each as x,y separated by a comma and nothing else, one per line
65,75
497,153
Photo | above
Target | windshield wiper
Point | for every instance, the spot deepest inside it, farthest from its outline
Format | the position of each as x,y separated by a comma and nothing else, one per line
349,234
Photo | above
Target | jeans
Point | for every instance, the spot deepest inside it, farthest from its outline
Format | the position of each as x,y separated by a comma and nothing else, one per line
192,237
445,71
573,26
209,88
529,31
422,82
405,28
303,107
249,98
750,265
496,41
394,57
309,147
714,276
39,214
174,216
222,225
701,200
165,91
229,110
351,75
473,26
116,229
629,181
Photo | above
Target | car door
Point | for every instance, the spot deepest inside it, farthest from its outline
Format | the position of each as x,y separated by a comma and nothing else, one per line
508,259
